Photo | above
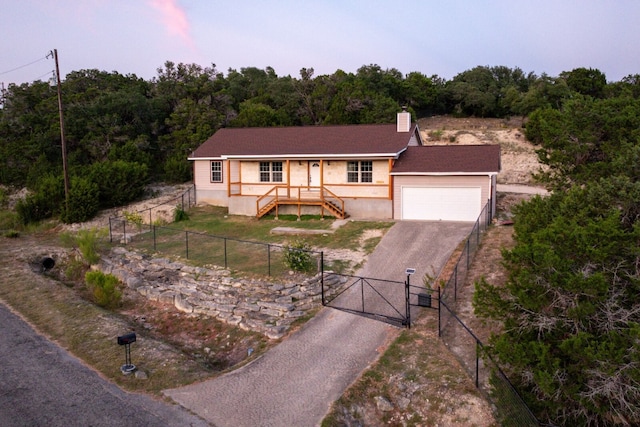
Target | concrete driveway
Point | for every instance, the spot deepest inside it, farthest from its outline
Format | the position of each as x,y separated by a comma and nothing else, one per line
295,383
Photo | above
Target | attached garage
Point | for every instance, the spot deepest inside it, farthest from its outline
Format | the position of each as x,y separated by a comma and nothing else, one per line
445,183
441,203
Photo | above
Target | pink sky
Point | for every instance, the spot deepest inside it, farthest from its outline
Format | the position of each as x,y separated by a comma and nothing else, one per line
175,20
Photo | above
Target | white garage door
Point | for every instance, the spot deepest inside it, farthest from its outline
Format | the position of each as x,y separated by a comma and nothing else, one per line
441,203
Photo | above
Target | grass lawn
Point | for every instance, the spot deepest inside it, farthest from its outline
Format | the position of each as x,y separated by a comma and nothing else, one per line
247,244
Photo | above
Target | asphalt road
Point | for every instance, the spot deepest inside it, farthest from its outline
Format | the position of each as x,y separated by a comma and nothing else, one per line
43,385
295,383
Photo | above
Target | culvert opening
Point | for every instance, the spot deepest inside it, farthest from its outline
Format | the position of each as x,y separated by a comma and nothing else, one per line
47,263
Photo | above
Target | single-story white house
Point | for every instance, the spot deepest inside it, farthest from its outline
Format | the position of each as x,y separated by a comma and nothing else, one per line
377,171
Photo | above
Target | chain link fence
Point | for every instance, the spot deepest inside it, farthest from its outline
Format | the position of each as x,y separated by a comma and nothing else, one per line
511,410
127,224
234,254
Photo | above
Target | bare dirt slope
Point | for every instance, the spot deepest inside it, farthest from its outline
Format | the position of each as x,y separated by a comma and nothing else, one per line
518,156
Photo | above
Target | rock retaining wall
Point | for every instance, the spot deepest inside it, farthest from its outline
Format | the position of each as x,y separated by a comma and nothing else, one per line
265,307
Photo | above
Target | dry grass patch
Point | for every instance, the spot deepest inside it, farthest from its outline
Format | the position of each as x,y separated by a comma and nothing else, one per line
169,348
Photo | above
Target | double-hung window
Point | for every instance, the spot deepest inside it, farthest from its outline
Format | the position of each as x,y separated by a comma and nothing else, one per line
360,171
216,171
270,171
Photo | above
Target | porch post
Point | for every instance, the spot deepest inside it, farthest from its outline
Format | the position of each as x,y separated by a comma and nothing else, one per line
288,179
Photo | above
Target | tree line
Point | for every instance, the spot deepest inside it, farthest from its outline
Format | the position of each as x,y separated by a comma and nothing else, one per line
123,131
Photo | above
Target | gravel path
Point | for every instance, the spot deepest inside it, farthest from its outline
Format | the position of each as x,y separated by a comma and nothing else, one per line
296,382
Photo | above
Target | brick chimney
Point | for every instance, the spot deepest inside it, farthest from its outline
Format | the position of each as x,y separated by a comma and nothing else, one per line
404,121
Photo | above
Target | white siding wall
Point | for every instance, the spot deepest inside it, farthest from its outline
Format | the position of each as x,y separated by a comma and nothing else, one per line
202,175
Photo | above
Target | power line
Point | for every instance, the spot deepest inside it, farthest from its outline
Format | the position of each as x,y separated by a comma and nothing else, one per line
46,74
23,66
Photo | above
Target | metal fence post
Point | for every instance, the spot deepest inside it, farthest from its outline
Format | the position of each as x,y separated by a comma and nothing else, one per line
477,363
269,259
455,283
439,313
110,235
225,252
407,284
322,278
150,220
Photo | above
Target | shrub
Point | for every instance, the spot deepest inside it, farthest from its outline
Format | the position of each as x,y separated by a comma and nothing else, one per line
9,220
297,256
33,208
119,182
75,269
12,234
177,169
105,288
133,217
83,201
180,214
4,198
87,242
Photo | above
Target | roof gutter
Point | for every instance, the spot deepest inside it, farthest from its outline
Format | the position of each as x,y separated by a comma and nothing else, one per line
443,173
313,156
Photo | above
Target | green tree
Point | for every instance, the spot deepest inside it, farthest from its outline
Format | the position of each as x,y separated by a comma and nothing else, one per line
586,138
570,310
586,81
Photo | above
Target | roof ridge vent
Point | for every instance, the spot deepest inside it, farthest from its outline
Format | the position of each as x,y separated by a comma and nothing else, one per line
404,121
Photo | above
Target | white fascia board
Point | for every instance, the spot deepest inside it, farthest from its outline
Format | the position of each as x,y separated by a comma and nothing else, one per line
311,156
206,158
443,173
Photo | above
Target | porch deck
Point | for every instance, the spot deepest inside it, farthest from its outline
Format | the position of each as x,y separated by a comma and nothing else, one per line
284,195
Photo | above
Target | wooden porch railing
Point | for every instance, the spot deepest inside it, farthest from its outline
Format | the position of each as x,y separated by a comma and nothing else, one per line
300,196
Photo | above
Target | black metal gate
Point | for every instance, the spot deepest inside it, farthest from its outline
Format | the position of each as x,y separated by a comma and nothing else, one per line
375,298
389,301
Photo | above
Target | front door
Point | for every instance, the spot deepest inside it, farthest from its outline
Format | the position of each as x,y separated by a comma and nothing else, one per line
314,174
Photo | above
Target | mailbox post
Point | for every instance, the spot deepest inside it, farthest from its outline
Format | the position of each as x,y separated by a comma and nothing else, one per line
126,341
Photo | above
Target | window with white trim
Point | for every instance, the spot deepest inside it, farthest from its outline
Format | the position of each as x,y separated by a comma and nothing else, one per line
360,171
270,171
216,171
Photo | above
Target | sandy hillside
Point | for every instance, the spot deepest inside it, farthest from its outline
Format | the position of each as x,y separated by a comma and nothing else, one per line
519,159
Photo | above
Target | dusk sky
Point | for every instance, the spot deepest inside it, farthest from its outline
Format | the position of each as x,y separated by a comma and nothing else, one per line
443,37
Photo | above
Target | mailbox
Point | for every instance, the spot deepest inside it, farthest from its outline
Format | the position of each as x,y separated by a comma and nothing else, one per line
127,339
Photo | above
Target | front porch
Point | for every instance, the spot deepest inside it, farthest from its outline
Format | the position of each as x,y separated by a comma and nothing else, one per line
299,196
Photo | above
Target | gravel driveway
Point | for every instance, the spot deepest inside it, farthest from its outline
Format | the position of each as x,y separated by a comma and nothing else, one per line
296,382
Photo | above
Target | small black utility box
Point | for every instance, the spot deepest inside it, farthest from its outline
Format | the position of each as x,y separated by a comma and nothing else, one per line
127,339
424,300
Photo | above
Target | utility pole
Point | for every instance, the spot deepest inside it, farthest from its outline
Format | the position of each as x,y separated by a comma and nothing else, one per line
64,144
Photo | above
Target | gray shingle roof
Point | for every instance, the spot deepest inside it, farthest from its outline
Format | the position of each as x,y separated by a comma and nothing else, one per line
376,139
449,159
